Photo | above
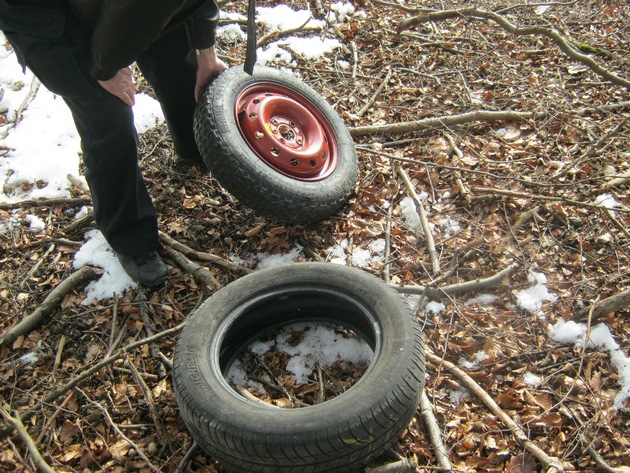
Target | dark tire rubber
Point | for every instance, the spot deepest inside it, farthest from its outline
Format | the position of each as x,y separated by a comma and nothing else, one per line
342,434
242,172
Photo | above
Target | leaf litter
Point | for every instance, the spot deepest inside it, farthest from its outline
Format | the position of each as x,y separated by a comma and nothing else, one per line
564,393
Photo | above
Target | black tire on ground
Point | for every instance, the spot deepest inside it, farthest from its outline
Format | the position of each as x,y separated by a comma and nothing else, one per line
340,435
249,175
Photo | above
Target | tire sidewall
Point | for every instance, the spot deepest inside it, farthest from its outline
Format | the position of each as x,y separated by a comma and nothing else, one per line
219,403
220,97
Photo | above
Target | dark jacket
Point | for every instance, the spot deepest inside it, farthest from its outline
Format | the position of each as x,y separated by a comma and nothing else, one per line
122,29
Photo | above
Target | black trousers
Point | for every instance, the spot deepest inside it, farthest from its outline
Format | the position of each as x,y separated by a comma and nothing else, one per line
123,208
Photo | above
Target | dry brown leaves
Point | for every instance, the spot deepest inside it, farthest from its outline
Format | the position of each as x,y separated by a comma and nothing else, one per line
537,172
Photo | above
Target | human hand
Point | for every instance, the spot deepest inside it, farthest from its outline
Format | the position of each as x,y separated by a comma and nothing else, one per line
208,66
122,86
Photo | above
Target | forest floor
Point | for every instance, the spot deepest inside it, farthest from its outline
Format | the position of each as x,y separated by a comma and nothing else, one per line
518,193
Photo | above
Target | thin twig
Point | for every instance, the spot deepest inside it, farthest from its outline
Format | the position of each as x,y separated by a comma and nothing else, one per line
550,463
544,198
32,320
442,122
37,265
60,347
181,467
435,434
459,288
52,418
17,424
113,425
198,271
379,89
564,45
202,256
435,262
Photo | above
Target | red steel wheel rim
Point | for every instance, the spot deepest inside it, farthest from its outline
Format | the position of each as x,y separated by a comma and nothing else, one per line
286,131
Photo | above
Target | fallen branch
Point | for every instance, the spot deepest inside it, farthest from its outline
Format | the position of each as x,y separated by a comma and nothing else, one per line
148,396
400,466
621,180
544,198
202,256
457,155
442,122
19,113
53,299
17,424
276,35
183,464
454,289
551,464
428,236
603,465
606,306
564,45
37,265
435,434
23,204
199,272
121,434
401,7
380,88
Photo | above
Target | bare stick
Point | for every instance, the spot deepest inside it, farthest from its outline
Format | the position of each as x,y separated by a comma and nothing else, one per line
34,269
122,435
442,122
208,257
199,272
62,344
606,306
148,324
457,156
52,418
544,198
459,288
380,88
276,35
400,7
435,262
17,424
551,464
181,467
247,395
53,299
591,149
388,245
603,465
355,58
401,466
621,180
149,398
435,434
617,223
20,110
44,203
564,45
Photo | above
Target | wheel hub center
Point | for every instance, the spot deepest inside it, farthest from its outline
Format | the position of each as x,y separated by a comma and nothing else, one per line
284,134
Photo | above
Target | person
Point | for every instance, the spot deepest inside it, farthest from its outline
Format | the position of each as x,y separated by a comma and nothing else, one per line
83,50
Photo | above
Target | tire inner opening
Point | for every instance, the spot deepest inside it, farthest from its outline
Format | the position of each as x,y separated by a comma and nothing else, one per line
298,348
